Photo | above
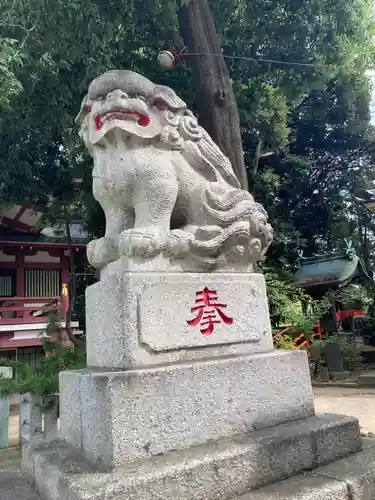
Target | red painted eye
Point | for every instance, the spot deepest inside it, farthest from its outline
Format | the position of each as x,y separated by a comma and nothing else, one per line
98,122
143,121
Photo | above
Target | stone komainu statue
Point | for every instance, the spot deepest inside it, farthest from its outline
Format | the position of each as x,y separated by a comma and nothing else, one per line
163,184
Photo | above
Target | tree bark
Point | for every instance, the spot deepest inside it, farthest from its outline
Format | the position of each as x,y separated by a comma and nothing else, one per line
215,99
257,156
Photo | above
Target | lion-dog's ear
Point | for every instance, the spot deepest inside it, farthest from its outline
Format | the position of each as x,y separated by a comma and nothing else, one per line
167,97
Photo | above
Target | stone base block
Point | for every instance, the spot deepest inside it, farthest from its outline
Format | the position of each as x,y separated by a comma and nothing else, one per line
219,470
367,379
339,375
119,417
352,478
142,319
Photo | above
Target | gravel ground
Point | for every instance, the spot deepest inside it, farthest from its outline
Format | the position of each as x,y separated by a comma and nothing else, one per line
355,402
13,485
13,430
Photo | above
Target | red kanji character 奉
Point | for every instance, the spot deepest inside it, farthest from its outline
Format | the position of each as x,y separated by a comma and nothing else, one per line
209,312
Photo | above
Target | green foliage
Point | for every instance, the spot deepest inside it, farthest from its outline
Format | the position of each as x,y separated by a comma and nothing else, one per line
283,297
72,42
334,39
290,305
44,379
315,310
285,341
12,54
9,59
351,356
316,352
313,195
75,40
356,296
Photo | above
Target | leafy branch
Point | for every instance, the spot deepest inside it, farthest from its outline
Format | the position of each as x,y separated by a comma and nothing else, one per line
44,379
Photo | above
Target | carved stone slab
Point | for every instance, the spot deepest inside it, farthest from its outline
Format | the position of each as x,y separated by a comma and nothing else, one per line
177,314
140,319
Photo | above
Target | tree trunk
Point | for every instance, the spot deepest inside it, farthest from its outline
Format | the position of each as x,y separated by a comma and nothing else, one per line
216,103
258,152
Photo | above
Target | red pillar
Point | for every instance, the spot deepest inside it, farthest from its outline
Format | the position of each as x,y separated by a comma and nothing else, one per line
20,280
20,277
64,269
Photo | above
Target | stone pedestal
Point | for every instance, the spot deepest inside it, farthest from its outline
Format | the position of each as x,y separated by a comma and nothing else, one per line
119,417
184,397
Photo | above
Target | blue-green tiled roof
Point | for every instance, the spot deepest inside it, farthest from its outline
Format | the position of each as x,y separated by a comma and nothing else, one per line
329,270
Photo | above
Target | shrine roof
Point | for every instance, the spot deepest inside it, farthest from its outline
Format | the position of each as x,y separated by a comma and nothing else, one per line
21,223
368,195
330,270
45,236
368,199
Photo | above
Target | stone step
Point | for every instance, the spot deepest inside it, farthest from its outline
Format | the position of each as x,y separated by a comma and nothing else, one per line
219,470
351,478
13,485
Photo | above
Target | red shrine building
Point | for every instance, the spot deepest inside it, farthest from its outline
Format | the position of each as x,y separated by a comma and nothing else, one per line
34,269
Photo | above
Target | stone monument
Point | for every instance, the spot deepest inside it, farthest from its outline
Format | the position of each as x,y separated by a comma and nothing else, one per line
184,396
